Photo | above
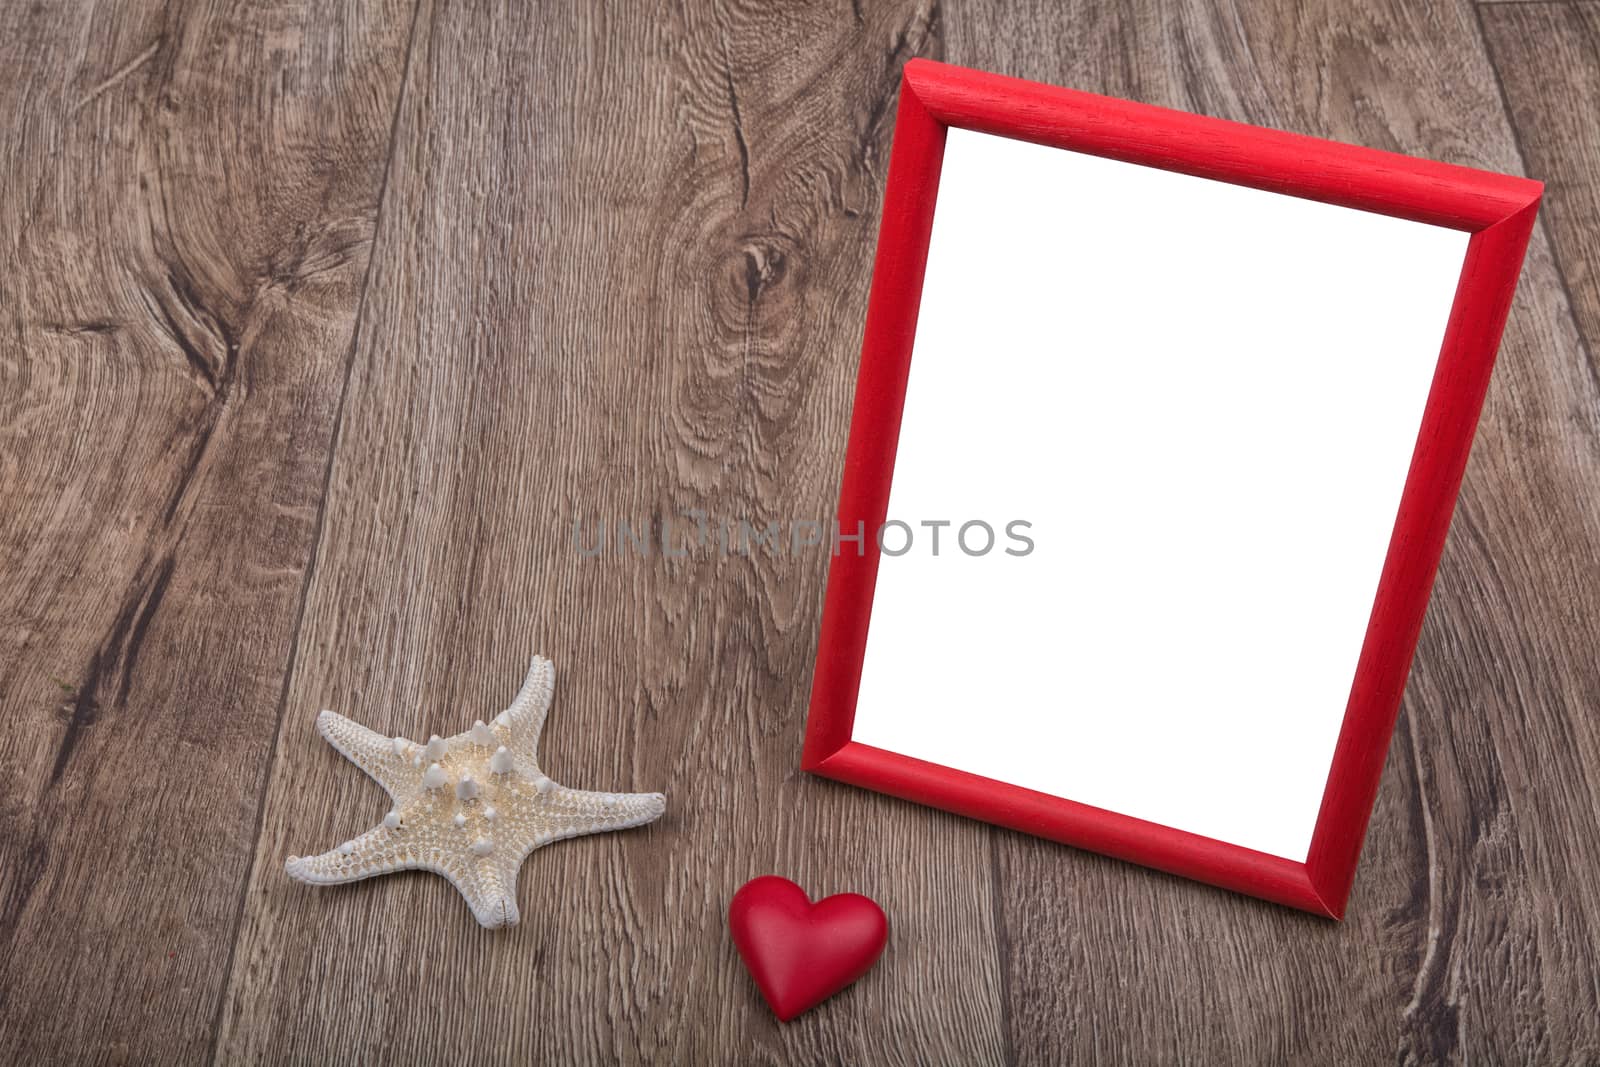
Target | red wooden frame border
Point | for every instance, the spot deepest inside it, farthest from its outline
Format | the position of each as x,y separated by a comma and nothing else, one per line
1498,210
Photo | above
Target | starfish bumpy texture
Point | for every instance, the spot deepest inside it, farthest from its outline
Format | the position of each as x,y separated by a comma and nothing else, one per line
470,807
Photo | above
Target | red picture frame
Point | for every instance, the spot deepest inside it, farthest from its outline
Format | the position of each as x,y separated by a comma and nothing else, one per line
1497,210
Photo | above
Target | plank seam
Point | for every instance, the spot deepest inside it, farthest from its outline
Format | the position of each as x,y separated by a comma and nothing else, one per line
1002,946
1543,222
316,542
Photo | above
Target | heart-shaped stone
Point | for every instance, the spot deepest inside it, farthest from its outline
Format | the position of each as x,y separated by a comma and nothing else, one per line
801,953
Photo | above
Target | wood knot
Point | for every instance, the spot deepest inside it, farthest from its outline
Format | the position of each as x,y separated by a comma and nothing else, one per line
758,278
764,268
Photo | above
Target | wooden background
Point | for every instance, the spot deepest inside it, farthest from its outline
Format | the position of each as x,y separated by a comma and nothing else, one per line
320,323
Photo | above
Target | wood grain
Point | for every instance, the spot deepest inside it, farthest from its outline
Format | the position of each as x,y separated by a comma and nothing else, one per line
619,272
183,250
1470,897
1548,59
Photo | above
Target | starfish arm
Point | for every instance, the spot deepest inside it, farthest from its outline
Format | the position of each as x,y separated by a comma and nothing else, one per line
373,753
378,851
524,719
489,887
578,811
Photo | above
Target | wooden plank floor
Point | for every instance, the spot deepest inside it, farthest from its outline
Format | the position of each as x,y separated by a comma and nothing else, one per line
319,326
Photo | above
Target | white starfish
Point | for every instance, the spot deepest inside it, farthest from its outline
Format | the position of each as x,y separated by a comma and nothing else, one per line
471,807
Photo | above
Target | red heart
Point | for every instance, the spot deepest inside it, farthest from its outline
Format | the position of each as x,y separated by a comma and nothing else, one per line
801,953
